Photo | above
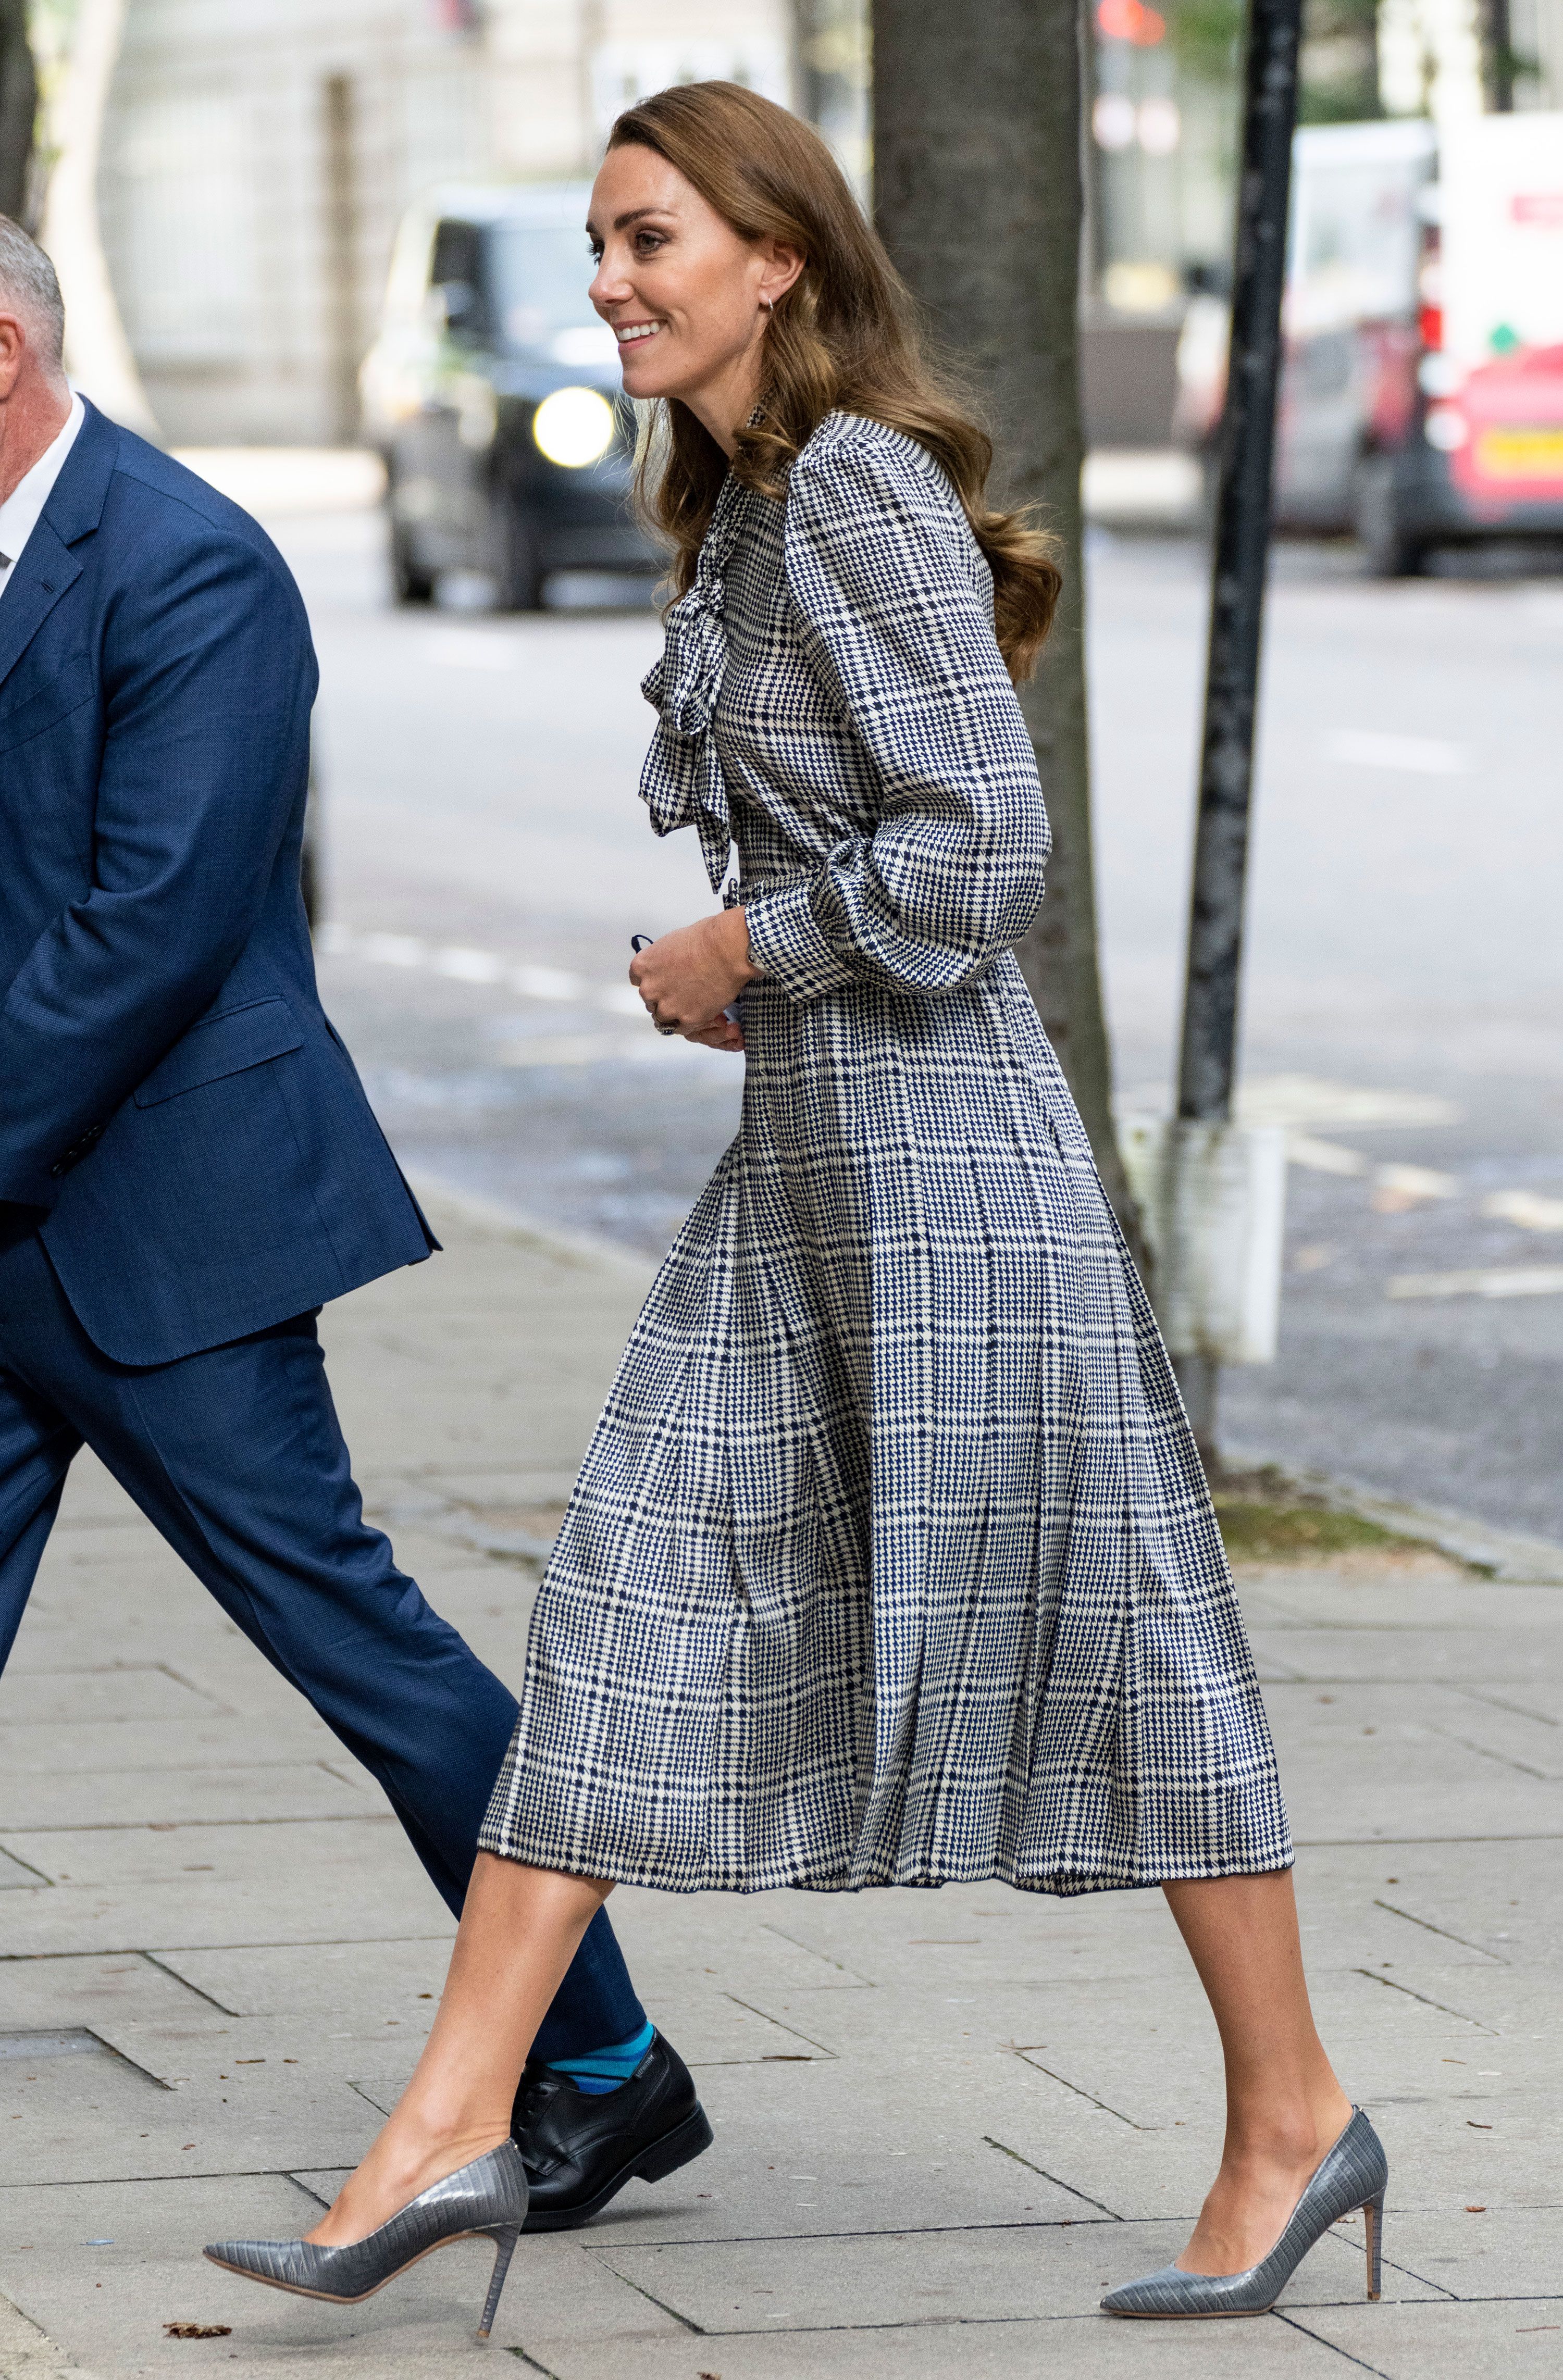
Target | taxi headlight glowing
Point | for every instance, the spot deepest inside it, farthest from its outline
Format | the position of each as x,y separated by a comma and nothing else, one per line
573,427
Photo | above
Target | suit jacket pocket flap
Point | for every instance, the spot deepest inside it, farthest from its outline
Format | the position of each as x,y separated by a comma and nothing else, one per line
29,709
223,1045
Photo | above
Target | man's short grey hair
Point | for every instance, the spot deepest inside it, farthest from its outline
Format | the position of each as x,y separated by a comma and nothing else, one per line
29,288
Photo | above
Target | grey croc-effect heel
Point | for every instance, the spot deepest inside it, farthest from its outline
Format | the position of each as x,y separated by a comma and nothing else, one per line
485,2200
1354,2174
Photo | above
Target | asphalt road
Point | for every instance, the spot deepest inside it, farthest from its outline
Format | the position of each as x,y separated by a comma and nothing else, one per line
487,862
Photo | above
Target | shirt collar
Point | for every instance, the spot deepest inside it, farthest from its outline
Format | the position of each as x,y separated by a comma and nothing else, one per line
19,513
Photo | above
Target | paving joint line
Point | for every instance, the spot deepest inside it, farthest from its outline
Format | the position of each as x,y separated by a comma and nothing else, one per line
193,1949
1496,1701
1080,2093
1522,1768
832,2054
1084,2195
1442,2006
184,1826
652,2299
1292,2323
1413,1842
1443,1932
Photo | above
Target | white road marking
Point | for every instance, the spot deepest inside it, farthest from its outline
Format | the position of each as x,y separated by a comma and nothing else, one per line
1399,1186
1418,756
596,1049
1323,1156
470,966
1498,1280
1526,1208
1308,1102
548,983
467,966
468,648
561,1050
395,950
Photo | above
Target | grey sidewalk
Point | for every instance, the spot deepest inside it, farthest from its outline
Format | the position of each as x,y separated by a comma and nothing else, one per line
944,2122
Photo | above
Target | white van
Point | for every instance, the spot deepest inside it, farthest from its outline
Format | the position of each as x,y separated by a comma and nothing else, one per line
1421,398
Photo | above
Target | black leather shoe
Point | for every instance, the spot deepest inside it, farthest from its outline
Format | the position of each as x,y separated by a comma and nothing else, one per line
581,2147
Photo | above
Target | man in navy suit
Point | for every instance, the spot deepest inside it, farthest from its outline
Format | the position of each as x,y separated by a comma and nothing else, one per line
189,1167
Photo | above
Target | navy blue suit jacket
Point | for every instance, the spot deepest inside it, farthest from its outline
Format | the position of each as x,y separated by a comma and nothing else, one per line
171,1092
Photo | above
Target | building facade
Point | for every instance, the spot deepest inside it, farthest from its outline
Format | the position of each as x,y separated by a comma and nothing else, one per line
258,155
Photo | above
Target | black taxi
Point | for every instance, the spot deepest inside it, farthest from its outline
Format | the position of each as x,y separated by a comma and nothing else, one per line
493,393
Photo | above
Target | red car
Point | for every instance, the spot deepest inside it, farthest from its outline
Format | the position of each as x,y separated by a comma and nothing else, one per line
1422,400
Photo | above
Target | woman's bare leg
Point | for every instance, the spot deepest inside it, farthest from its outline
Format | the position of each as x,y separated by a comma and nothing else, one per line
1284,2105
520,1930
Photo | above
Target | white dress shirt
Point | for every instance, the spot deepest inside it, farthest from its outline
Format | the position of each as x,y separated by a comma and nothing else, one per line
20,511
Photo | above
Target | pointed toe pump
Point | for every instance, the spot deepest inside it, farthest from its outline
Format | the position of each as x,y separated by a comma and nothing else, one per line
485,2200
1353,2174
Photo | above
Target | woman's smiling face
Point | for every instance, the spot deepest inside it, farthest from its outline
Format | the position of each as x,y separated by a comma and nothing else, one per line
685,294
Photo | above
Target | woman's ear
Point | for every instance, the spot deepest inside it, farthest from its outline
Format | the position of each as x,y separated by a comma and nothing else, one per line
783,263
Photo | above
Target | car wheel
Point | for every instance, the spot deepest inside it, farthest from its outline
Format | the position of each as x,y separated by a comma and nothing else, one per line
410,583
1391,549
518,570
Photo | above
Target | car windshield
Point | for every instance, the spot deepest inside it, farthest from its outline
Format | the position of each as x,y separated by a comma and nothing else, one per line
538,280
1356,259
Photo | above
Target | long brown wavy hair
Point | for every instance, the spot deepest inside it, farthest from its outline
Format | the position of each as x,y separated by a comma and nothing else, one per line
848,334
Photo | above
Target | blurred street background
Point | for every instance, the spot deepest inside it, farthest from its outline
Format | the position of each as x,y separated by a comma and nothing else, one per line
331,253
481,857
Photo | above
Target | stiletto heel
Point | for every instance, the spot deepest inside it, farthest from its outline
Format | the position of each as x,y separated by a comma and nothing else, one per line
1353,2175
1372,2215
504,2249
485,2200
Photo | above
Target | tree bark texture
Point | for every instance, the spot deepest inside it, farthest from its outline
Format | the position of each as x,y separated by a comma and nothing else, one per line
978,195
97,352
19,106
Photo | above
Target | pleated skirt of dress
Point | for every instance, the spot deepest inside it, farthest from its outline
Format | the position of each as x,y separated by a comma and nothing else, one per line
892,1560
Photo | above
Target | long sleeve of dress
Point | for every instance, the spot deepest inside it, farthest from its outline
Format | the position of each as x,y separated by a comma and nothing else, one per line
894,614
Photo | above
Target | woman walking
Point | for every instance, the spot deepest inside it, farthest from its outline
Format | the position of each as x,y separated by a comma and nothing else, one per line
891,1560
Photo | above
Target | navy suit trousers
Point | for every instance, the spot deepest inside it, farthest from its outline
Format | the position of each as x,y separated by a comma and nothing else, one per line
236,1458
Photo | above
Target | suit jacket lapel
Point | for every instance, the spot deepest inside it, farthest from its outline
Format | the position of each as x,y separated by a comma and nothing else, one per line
33,588
47,565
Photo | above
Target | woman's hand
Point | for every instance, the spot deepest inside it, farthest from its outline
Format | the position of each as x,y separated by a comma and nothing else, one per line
688,977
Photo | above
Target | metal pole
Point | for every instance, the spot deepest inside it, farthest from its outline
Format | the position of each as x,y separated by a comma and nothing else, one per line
1497,56
1242,545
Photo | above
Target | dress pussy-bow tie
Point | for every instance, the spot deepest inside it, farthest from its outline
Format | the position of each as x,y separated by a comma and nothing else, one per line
682,783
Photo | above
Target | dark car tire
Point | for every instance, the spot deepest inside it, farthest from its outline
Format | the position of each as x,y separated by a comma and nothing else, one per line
518,564
410,583
1391,549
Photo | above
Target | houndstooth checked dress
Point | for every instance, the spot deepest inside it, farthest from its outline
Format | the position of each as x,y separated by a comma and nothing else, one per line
891,1561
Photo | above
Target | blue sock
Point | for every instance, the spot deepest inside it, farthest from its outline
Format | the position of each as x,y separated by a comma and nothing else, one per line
605,2070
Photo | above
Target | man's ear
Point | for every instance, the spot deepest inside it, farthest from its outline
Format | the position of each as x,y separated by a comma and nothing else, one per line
13,352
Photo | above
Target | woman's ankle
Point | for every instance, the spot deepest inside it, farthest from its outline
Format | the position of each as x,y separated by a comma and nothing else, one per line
1299,2132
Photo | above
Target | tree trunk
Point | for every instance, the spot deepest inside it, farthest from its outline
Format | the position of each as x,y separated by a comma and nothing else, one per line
978,195
97,352
19,106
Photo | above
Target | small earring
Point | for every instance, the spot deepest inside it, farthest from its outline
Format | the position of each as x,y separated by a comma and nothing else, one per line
769,304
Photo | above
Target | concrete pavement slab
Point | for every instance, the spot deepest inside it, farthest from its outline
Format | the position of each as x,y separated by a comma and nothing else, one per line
226,1852
1512,2339
102,1697
38,1993
310,1980
185,1798
77,1748
1060,2349
1425,1781
973,2093
970,2274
